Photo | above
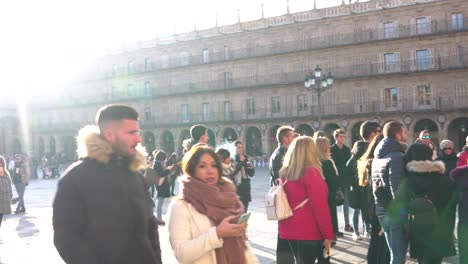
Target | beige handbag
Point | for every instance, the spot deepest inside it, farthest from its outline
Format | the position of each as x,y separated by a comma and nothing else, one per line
277,204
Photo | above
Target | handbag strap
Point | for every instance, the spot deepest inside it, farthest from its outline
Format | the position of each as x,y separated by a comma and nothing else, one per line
301,204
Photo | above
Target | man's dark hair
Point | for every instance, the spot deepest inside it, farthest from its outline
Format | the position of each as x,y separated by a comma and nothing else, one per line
223,153
392,128
115,112
197,131
282,132
237,142
368,128
337,132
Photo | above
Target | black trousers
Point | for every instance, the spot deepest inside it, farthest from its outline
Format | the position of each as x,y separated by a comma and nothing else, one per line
308,251
284,255
20,188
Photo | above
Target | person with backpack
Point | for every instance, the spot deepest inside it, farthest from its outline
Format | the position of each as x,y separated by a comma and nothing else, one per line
430,192
309,230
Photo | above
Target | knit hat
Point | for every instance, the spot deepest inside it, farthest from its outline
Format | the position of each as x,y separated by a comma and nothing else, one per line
446,144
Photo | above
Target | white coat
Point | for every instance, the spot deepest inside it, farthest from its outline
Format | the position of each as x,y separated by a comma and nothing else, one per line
193,237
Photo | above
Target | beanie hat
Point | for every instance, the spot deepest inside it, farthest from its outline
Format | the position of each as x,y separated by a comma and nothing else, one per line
446,143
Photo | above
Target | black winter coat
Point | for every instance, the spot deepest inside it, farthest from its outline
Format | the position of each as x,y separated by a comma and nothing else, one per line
243,189
427,179
276,162
450,161
340,157
102,213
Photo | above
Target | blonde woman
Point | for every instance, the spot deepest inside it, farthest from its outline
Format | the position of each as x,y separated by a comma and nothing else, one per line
309,230
331,178
5,190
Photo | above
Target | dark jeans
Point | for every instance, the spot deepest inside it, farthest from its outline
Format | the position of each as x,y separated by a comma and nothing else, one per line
173,180
307,251
246,206
20,188
284,254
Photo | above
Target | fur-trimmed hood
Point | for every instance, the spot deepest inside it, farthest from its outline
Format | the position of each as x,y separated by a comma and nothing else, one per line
91,145
425,166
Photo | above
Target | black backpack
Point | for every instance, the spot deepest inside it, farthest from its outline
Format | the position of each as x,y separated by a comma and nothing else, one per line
422,214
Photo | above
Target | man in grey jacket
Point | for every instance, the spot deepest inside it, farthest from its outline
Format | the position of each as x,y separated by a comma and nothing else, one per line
387,175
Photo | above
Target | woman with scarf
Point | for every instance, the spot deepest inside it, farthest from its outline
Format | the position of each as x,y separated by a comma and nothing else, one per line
203,224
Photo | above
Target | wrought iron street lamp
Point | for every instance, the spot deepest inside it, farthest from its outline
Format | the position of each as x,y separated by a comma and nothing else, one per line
318,83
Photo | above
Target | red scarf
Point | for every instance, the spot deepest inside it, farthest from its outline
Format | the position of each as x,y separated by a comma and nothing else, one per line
217,202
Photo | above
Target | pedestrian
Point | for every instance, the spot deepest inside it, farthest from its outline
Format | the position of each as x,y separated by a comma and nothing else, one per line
5,190
460,176
463,155
102,212
284,135
246,170
203,224
176,171
198,134
227,166
163,183
20,178
368,130
319,133
447,155
377,252
427,179
387,176
425,138
150,176
340,153
309,230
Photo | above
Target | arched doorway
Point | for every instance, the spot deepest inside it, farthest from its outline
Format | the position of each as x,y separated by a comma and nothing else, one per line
167,142
69,148
328,129
458,131
52,146
211,138
355,132
16,146
40,147
304,130
149,142
253,142
426,124
229,135
272,142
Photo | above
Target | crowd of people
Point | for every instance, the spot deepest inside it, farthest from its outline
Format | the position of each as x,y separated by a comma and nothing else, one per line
404,196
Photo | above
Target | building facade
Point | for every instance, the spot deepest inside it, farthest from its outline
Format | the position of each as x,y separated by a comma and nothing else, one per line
391,60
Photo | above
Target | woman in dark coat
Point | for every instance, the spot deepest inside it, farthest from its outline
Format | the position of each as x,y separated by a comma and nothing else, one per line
244,170
447,155
163,183
427,178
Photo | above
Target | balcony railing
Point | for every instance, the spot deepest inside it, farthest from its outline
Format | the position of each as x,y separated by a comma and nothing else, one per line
374,107
282,47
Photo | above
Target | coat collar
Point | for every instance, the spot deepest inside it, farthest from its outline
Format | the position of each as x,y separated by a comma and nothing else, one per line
425,166
91,145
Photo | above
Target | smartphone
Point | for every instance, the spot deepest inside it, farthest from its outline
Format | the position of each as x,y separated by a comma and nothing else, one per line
244,218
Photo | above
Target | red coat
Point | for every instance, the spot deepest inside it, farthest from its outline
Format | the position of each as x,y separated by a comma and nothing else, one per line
313,221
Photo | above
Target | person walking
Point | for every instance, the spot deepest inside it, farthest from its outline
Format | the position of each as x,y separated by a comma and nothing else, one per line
198,135
176,171
309,230
427,179
387,176
340,153
203,226
102,211
246,170
163,183
6,192
20,178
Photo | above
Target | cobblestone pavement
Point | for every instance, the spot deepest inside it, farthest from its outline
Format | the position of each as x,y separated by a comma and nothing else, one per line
28,238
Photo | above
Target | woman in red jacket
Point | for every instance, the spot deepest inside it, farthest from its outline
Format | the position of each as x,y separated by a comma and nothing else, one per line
310,229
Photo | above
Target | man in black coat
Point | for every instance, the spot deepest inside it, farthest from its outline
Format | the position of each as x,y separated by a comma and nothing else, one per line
284,135
340,154
102,213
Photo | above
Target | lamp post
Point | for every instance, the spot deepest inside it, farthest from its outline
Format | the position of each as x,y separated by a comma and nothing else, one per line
318,83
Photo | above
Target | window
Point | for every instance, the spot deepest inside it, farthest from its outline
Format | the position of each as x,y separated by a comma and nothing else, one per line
164,61
226,53
114,70
457,21
251,106
148,64
227,110
424,95
148,89
389,30
184,58
185,113
206,111
390,61
302,103
391,97
227,78
275,105
205,56
131,67
422,59
147,113
422,25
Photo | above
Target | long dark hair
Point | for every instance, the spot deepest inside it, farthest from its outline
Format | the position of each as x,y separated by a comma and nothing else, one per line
192,158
